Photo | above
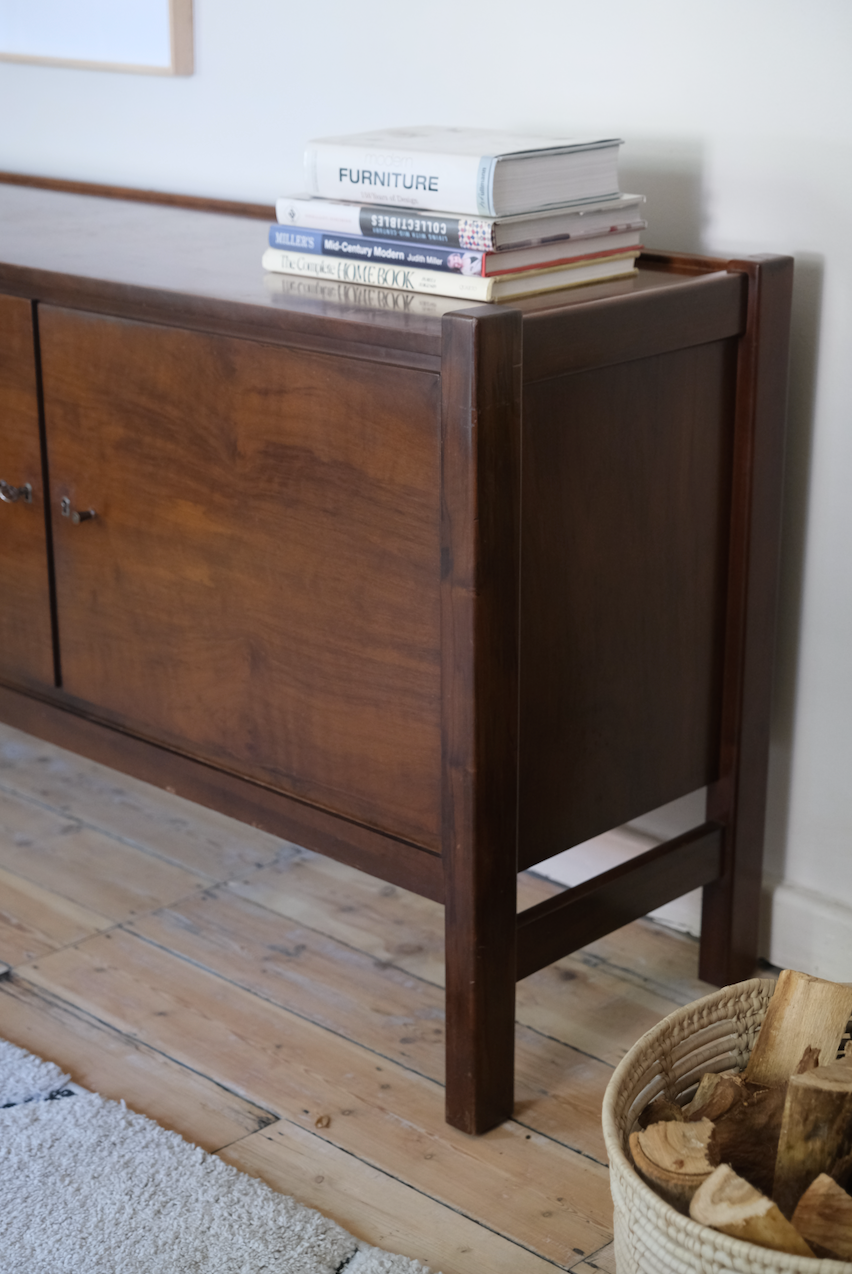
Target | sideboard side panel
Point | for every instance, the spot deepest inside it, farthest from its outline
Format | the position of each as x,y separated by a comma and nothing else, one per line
624,541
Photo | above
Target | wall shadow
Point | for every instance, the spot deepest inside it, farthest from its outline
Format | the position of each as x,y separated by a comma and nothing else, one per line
670,176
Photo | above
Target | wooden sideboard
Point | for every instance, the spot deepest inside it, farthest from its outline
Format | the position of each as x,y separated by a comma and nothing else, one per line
436,590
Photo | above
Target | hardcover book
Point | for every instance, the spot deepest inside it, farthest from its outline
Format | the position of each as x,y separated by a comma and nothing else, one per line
428,256
477,172
372,274
445,229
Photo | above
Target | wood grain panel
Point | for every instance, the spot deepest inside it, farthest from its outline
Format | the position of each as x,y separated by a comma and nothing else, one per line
26,639
263,808
260,585
624,540
671,307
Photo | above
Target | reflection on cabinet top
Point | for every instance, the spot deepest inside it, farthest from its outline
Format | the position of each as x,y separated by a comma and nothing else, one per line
201,269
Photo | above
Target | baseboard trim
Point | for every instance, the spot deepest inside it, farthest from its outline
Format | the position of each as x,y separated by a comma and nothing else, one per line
805,930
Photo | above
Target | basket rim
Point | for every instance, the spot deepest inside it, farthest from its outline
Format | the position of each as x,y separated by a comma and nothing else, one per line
696,1234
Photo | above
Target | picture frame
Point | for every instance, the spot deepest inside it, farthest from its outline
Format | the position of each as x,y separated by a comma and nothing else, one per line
146,37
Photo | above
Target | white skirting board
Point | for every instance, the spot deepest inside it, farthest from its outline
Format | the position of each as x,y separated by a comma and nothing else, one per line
805,930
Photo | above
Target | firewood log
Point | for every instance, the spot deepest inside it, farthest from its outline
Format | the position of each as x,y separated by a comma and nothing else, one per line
671,1156
842,1173
804,1013
660,1110
746,1135
715,1096
816,1130
729,1204
824,1217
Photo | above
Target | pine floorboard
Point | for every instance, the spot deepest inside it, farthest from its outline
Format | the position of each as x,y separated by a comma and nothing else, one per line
287,1012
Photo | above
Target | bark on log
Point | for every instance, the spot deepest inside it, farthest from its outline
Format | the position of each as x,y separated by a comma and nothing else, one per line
824,1218
746,1136
660,1110
816,1130
716,1096
729,1204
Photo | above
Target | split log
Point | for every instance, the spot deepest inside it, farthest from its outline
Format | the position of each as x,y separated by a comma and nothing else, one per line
716,1096
804,1013
824,1218
842,1173
746,1136
672,1157
729,1204
816,1130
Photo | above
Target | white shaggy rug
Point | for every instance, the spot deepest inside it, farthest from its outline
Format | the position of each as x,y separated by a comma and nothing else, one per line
89,1187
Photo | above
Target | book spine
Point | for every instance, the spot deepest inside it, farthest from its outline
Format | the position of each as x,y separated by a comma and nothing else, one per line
384,251
374,274
399,177
474,233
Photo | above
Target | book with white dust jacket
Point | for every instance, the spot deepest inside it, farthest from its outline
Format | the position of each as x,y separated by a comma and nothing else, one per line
470,171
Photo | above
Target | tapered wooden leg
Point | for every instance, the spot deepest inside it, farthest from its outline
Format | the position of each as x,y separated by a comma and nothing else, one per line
479,678
729,933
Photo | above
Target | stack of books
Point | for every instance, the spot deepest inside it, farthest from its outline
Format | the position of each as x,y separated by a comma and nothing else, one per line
474,214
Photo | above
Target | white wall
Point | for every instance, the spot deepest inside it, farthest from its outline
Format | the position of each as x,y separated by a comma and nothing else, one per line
737,118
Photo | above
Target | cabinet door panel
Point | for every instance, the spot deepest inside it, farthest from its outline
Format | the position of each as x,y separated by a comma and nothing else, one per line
26,640
259,586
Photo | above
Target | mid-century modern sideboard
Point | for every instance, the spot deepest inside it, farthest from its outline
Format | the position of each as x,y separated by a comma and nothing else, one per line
437,590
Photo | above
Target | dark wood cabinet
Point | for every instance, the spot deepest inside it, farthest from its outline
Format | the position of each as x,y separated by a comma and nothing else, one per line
439,591
260,584
26,638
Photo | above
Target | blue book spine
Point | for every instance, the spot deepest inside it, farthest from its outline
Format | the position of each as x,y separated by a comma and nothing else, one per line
359,247
294,239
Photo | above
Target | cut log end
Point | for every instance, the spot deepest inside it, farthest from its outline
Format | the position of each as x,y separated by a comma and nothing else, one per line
672,1157
824,1217
731,1205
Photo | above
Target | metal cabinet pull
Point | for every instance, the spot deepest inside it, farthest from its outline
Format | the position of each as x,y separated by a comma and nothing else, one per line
76,516
10,494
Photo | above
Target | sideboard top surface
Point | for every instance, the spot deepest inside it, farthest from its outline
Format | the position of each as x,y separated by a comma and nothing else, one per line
202,269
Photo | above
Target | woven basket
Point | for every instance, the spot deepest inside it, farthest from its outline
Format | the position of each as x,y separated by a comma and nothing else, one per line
713,1034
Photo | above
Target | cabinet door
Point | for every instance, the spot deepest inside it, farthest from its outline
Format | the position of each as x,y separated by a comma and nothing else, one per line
26,640
259,584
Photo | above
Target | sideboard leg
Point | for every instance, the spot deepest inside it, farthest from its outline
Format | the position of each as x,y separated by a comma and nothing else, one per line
480,518
729,932
480,999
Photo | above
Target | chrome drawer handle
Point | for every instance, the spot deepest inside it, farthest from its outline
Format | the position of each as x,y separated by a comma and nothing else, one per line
76,516
11,495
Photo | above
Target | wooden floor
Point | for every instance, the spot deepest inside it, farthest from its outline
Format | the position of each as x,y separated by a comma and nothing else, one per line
287,1013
